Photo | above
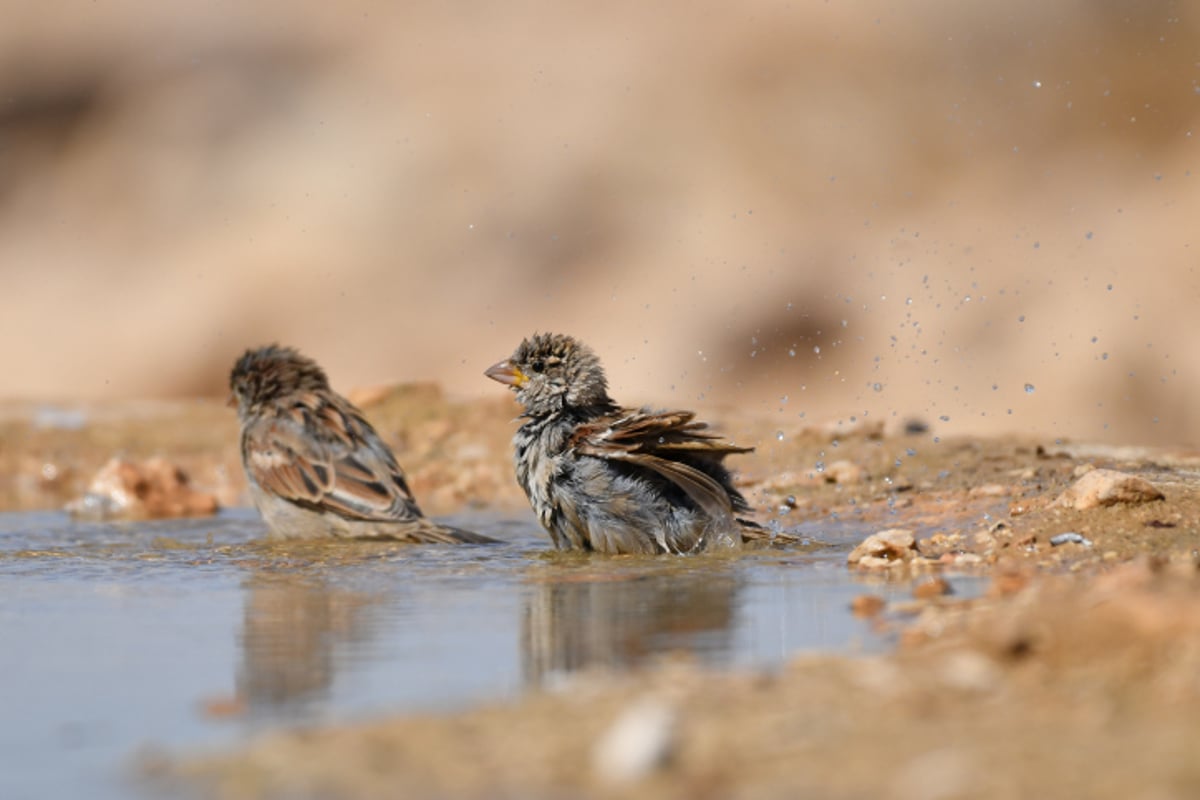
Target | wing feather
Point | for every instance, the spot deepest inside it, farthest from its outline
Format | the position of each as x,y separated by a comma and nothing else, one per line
347,470
664,442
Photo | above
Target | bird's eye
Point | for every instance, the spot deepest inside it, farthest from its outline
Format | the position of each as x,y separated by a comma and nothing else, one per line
538,366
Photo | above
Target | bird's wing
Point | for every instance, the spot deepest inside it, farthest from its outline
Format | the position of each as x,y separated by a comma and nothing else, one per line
661,441
324,456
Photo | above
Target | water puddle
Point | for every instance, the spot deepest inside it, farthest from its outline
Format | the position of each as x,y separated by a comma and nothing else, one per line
191,634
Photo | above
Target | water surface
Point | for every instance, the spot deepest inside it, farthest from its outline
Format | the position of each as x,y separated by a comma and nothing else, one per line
118,637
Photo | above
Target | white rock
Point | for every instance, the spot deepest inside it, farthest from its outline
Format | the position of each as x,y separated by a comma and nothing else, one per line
639,741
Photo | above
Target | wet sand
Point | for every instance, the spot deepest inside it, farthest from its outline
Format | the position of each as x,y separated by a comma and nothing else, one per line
1074,673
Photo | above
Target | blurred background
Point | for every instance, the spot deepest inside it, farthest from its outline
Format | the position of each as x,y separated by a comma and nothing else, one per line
979,214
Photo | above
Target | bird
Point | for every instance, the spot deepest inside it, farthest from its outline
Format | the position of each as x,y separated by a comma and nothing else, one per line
610,479
315,466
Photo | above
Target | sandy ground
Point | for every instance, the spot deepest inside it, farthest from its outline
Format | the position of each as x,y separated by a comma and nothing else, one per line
1075,674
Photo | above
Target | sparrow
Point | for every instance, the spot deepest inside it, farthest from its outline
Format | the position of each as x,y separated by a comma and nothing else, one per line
610,479
315,466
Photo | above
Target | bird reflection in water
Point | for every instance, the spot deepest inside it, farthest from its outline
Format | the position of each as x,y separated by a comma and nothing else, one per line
619,618
293,628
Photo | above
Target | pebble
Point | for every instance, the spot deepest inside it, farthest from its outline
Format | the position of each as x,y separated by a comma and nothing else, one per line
843,472
1106,487
153,489
889,547
1070,538
639,741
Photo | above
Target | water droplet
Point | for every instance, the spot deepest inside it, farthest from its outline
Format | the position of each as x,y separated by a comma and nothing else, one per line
1037,84
944,417
820,466
817,349
1021,318
877,387
1030,388
779,435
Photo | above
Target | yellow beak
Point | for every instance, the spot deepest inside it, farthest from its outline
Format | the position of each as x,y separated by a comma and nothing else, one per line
506,373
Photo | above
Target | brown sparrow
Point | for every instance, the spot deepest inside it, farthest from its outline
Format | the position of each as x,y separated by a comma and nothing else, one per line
315,466
612,479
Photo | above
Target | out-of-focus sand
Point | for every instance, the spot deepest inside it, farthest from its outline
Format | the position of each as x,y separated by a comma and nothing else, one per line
950,201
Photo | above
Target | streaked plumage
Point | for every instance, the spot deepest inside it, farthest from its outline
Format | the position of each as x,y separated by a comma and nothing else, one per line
315,466
611,479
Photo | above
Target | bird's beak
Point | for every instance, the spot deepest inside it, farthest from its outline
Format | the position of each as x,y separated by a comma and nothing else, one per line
506,373
231,401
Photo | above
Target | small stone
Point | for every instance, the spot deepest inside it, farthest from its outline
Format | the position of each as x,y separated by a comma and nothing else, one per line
1070,538
988,490
1106,487
637,743
843,472
931,588
867,605
892,545
152,489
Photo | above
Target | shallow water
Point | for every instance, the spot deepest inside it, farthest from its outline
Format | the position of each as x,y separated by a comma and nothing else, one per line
119,637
